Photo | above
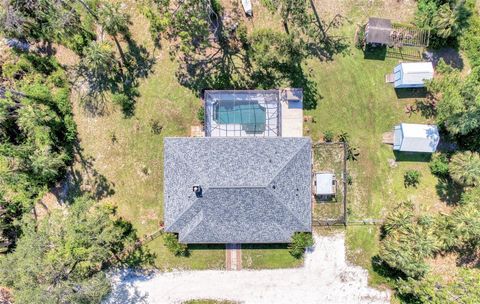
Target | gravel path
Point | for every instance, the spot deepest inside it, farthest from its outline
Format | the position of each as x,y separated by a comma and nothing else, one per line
325,278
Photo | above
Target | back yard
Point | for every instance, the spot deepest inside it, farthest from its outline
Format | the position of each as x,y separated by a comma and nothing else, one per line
353,99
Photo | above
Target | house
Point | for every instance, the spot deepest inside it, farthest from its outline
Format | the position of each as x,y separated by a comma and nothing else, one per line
415,138
237,189
255,113
325,184
412,74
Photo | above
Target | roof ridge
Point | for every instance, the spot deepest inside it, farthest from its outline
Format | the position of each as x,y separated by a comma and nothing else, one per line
193,202
286,163
280,202
183,233
275,176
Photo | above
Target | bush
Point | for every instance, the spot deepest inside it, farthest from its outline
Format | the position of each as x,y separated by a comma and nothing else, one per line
124,101
439,165
155,126
411,178
58,79
300,242
172,244
201,114
328,135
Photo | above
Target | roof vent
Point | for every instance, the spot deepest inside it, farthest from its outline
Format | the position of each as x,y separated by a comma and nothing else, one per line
198,190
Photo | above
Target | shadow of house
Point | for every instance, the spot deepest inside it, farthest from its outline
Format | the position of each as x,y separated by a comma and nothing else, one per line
406,93
375,52
412,156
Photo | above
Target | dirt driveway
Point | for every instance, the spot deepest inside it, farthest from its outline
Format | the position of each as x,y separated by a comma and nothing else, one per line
325,278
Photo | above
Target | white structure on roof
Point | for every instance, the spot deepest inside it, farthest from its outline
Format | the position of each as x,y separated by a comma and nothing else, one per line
415,138
325,184
412,74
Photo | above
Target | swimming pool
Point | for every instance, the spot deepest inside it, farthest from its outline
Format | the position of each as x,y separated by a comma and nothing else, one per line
251,115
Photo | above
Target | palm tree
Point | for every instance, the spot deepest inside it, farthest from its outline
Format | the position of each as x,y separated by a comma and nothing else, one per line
114,22
98,67
444,21
464,168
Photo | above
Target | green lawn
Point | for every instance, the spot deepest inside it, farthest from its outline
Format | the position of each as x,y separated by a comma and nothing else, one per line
354,99
268,256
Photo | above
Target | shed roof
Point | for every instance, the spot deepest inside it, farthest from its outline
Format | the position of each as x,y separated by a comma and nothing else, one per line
378,30
413,73
416,138
254,190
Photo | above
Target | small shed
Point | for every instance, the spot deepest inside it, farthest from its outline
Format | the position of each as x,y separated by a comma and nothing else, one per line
325,184
412,74
415,138
378,30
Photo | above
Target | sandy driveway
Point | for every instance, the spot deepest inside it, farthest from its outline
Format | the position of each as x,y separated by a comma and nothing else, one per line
325,278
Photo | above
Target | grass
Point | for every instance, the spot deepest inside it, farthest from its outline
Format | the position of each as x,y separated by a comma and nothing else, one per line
329,157
354,99
268,256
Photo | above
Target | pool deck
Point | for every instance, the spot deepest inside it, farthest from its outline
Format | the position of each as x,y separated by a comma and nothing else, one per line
292,116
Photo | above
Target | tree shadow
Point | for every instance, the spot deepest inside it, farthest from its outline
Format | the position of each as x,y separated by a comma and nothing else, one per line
123,82
469,256
86,180
426,107
226,64
383,269
450,55
138,64
449,191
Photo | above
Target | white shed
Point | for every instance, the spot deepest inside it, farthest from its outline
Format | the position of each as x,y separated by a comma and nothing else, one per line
415,138
412,74
325,184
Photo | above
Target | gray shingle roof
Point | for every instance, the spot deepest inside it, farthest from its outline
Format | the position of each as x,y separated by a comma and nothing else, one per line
254,190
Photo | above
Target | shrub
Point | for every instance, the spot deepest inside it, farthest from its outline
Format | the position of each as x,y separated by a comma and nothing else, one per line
328,135
439,165
201,114
124,101
155,126
58,79
172,244
300,242
411,178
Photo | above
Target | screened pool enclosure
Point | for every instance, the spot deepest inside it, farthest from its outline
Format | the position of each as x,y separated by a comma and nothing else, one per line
242,113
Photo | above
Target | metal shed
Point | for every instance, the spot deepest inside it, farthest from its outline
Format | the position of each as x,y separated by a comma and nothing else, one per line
415,138
412,74
325,184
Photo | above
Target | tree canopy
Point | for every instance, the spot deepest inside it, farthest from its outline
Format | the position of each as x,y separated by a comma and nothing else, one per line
37,132
62,258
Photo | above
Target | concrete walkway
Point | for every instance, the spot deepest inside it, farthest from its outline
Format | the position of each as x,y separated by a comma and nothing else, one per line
325,278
